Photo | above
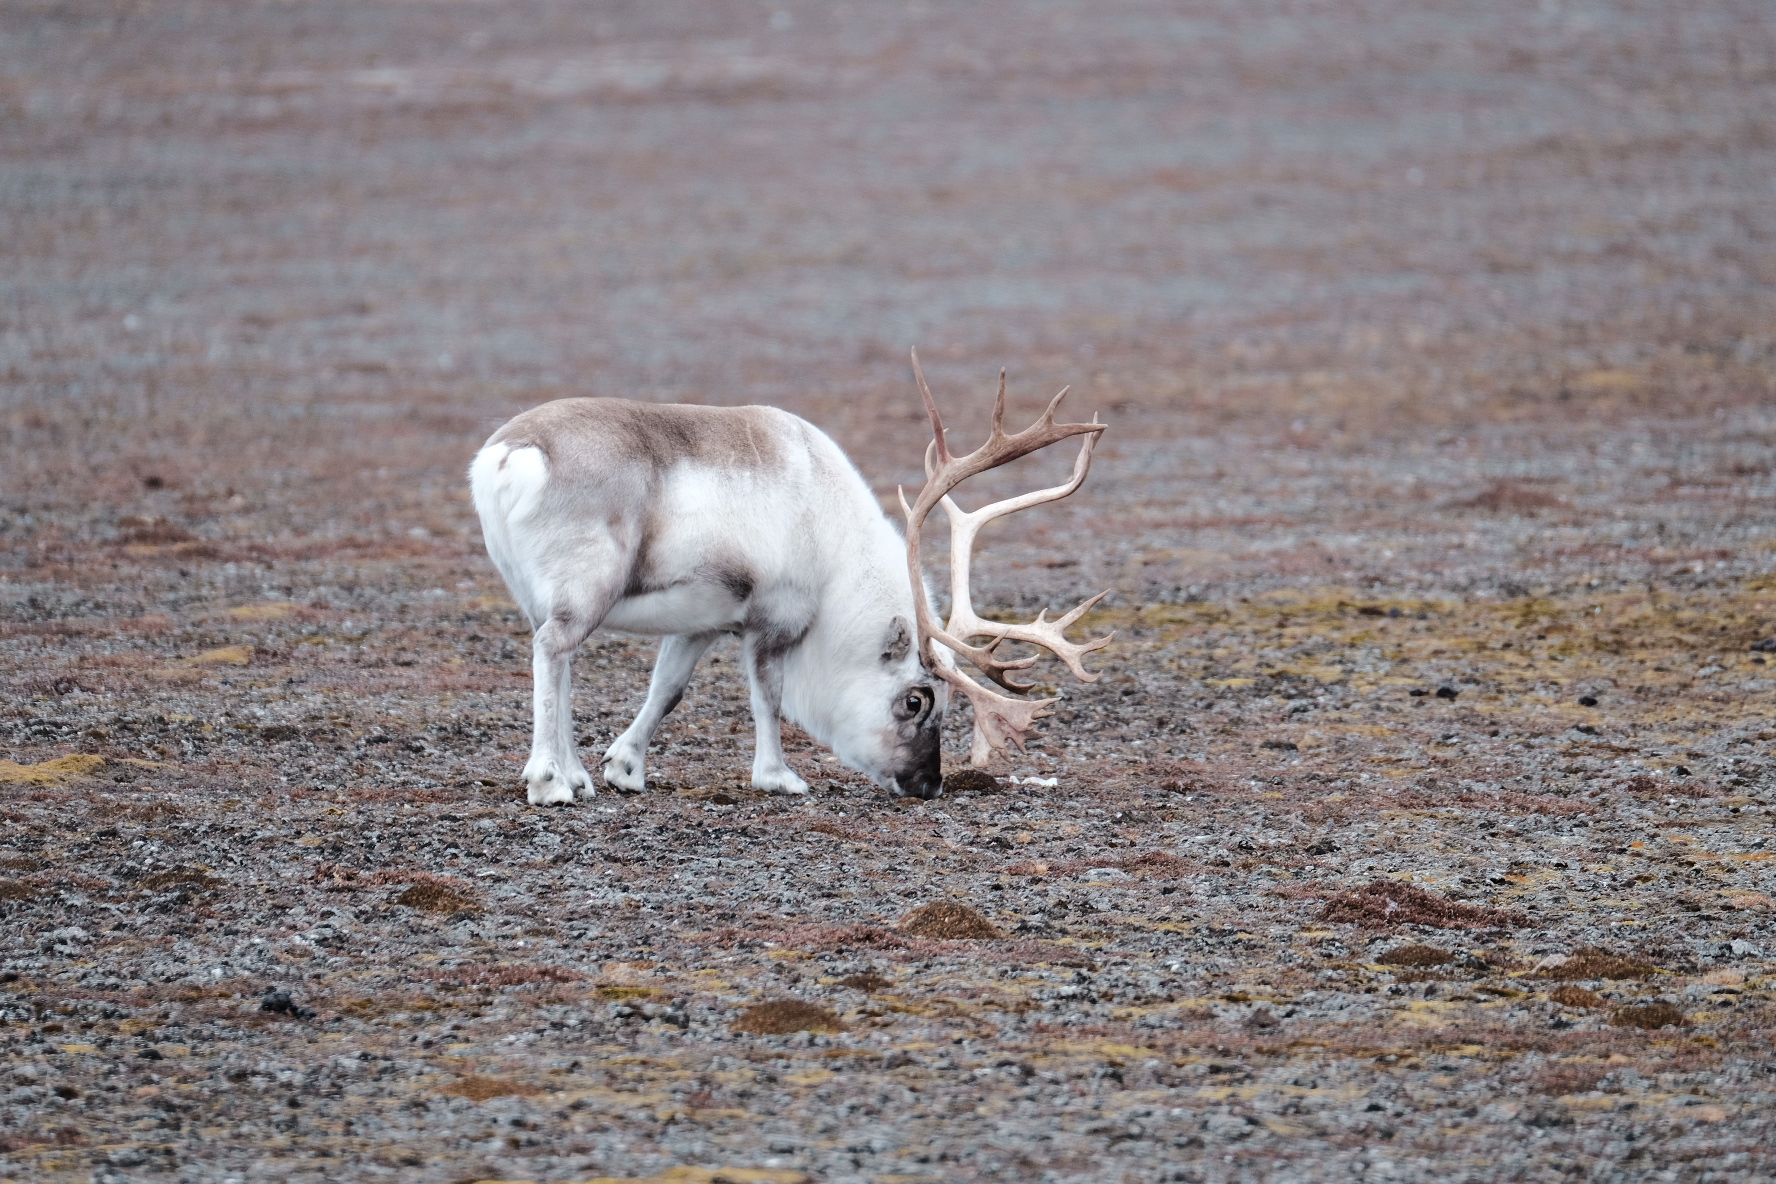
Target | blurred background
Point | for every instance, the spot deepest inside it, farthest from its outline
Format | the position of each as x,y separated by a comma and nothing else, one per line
1454,294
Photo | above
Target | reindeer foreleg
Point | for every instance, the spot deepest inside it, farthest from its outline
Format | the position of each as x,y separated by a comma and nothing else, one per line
764,670
625,761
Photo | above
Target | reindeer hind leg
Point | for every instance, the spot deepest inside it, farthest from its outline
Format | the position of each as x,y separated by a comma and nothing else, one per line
553,775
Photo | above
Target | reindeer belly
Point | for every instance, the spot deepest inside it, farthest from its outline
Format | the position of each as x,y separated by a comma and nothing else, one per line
695,607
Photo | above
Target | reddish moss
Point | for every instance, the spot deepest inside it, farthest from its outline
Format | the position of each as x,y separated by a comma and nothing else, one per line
1593,963
1571,996
1385,904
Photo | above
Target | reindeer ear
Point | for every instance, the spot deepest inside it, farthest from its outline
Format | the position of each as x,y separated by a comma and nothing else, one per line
898,641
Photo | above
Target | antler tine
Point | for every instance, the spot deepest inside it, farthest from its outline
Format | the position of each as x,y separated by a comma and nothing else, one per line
964,623
1054,405
998,432
937,428
1000,722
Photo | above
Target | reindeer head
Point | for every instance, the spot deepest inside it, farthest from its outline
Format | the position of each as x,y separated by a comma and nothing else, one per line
885,718
999,721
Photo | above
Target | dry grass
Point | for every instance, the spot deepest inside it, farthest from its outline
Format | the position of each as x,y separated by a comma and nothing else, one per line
1651,1016
59,771
1416,956
480,1089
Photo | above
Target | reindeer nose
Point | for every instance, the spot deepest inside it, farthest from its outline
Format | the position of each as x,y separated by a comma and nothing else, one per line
923,784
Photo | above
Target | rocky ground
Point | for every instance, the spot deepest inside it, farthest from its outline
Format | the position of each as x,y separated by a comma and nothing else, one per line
1419,827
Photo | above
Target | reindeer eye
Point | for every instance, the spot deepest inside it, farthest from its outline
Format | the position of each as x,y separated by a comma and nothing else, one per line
916,701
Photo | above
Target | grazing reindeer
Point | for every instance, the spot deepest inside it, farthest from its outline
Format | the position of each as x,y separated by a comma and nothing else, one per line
693,521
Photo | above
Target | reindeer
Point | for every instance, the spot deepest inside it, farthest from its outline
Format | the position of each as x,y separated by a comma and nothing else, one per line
690,522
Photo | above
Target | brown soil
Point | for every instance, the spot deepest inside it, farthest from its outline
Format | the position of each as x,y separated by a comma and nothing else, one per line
971,781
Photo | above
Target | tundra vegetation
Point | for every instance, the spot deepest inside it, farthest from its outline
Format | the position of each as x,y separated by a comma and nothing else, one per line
1417,828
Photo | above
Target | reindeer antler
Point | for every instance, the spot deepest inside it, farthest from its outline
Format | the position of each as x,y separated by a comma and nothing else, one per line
999,721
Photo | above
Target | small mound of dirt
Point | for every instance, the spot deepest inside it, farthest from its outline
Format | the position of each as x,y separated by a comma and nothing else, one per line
1416,955
480,1089
13,890
1593,963
437,898
515,976
1571,996
1190,777
1566,1078
1508,495
867,981
947,921
971,781
179,877
1385,904
780,1017
1652,1017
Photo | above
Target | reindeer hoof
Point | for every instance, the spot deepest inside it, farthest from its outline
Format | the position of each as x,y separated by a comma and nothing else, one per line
546,786
784,781
625,775
550,793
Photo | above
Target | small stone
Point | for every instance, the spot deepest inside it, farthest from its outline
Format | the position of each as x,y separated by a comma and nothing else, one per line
278,1001
1447,692
1587,700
